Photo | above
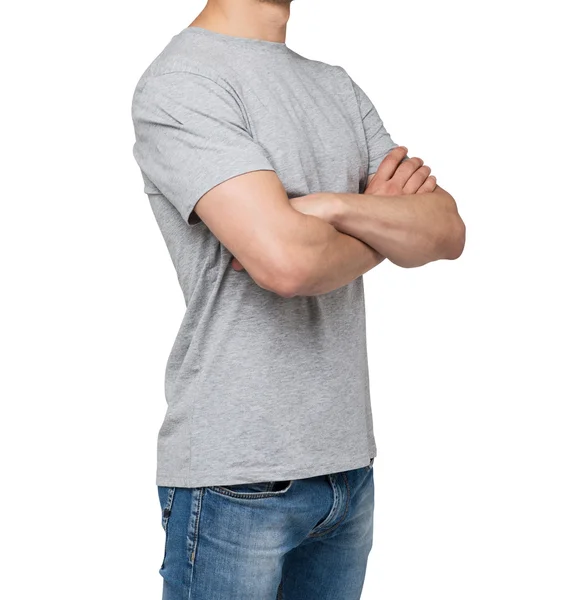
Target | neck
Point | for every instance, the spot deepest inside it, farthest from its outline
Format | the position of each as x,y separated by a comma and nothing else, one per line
246,18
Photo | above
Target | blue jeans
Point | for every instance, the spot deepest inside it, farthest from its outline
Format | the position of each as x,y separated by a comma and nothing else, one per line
304,539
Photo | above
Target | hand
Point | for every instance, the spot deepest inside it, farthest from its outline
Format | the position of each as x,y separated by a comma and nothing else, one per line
236,265
396,178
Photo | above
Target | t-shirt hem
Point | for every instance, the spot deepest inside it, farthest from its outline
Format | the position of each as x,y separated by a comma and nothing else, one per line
277,473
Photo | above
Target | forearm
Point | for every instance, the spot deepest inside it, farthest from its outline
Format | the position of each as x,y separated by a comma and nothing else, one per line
324,259
410,230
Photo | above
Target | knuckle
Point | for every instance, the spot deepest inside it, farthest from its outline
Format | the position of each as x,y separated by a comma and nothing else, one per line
412,164
393,189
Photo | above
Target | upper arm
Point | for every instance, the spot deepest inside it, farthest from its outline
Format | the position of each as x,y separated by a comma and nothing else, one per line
252,216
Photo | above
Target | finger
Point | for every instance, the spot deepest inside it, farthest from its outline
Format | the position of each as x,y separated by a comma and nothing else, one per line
370,186
406,170
417,179
428,186
236,265
390,163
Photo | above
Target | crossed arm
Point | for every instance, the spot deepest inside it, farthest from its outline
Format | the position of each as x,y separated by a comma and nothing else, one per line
282,249
318,243
403,214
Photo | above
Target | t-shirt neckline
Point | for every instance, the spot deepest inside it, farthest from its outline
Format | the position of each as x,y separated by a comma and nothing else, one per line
249,42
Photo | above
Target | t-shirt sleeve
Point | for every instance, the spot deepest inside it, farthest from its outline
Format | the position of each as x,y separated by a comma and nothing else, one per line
191,134
379,142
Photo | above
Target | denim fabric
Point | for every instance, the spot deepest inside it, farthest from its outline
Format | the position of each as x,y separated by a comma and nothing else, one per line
302,539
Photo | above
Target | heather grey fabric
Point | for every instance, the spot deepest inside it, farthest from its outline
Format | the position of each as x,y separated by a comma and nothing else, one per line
258,387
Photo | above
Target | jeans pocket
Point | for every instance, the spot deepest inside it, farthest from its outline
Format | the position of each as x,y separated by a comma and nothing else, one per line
248,491
166,499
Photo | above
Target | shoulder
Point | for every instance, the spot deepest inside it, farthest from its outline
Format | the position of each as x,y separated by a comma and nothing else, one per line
184,61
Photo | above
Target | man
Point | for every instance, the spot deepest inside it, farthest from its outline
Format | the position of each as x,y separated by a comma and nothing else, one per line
255,161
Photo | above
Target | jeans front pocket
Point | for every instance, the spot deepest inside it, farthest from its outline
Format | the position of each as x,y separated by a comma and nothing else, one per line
166,499
248,491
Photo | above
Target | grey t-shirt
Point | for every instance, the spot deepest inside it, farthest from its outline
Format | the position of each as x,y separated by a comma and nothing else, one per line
258,387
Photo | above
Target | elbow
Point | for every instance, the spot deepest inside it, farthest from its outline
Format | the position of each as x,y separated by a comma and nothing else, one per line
284,278
287,270
445,242
449,235
453,236
285,283
287,288
456,239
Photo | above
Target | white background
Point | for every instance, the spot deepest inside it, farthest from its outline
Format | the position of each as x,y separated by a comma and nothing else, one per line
469,359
